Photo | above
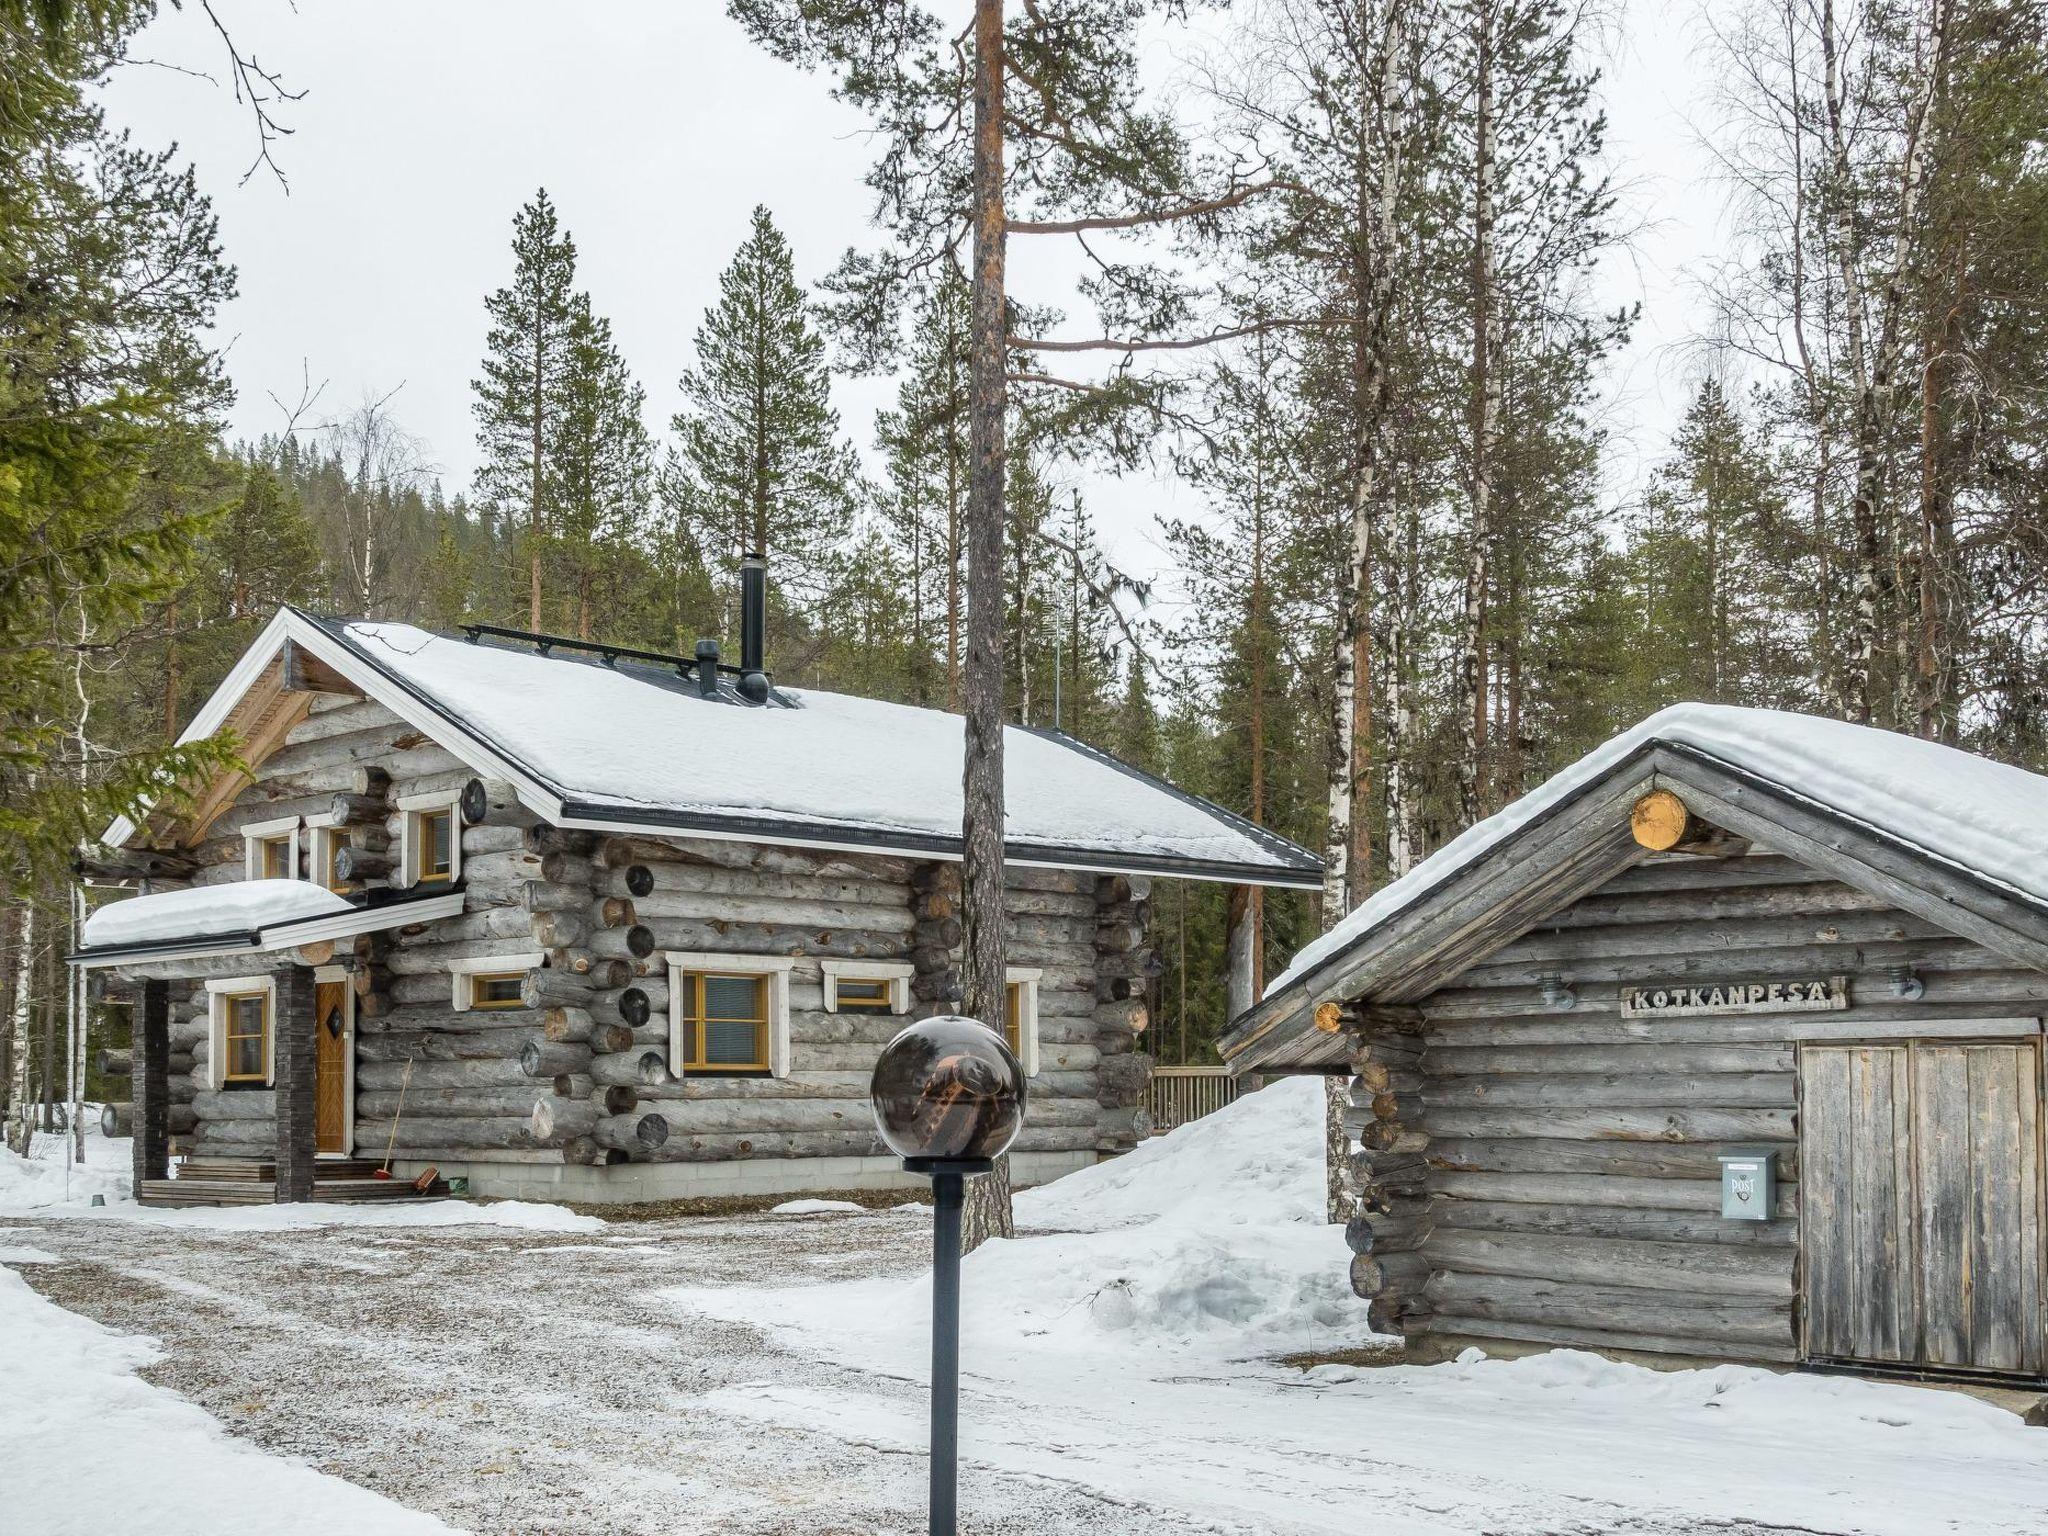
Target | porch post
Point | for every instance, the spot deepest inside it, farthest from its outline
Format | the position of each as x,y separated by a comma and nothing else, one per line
151,1071
296,1052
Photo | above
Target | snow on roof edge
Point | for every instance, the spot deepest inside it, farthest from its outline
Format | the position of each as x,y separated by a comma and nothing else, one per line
1706,731
1282,861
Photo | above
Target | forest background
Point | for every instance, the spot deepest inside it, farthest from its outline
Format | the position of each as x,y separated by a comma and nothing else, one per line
1400,580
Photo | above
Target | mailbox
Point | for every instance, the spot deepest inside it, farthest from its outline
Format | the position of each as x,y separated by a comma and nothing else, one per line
1749,1184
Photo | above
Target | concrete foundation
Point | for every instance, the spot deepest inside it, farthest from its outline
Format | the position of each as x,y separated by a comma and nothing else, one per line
632,1183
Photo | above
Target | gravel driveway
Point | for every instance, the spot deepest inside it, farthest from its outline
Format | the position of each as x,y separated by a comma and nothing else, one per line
510,1381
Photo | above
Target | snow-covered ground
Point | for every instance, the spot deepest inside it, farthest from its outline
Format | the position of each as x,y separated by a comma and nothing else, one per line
762,1374
85,1445
1125,1342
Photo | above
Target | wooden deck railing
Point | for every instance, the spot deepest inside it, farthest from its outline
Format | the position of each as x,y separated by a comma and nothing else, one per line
1181,1094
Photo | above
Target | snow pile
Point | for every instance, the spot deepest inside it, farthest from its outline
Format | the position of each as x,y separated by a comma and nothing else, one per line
818,1208
1961,808
209,911
835,760
89,1444
47,1180
1208,1242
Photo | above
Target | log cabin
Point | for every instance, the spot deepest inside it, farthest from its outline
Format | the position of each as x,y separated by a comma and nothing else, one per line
576,921
1724,1044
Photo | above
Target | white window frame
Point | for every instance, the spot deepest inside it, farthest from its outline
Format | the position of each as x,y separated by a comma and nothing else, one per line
775,967
259,832
895,972
409,806
218,990
486,965
1027,979
319,855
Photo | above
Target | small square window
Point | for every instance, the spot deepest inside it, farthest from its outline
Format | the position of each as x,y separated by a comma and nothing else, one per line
864,995
274,857
333,840
433,834
497,989
245,1050
724,1022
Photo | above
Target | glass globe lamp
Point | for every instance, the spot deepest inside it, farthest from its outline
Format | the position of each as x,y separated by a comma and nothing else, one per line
948,1090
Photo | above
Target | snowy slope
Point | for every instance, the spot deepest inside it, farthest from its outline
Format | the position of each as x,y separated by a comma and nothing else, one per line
88,1445
1972,812
1209,1242
629,736
1122,1346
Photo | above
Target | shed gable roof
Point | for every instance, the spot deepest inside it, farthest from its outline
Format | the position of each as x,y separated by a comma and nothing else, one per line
1957,839
620,746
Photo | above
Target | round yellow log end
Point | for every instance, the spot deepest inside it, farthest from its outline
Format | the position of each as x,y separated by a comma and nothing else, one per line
1658,820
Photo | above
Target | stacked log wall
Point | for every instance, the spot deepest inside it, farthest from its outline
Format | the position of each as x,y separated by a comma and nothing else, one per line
1549,1173
579,1072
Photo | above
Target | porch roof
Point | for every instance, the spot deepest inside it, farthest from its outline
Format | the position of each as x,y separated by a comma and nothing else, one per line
244,916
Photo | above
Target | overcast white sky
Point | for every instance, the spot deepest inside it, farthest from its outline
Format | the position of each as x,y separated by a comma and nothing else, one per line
656,126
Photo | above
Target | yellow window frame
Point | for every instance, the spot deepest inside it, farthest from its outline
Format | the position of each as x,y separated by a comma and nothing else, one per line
694,1019
229,1034
274,856
478,1003
1013,1017
425,872
847,990
333,840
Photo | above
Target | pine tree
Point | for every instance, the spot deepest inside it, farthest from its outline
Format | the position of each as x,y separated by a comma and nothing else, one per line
763,467
521,398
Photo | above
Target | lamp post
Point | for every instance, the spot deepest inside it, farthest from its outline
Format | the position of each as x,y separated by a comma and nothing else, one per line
949,1099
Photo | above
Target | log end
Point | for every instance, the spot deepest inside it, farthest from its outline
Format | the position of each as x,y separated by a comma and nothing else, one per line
1659,821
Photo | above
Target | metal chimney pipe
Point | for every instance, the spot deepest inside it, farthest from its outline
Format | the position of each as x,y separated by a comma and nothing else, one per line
754,627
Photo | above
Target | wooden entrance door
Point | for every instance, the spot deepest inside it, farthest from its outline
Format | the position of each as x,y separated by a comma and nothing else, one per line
1920,1181
330,1066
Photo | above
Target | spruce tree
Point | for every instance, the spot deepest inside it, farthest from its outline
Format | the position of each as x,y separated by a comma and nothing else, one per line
110,274
925,439
521,397
601,478
763,467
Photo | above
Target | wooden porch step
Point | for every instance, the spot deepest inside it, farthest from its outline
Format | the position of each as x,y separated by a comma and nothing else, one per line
217,1190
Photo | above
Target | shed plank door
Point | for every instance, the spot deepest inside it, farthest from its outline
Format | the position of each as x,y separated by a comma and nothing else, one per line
1976,1116
1857,1193
330,1068
1921,1205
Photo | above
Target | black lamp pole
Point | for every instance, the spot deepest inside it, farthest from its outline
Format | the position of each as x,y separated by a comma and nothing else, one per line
949,1099
949,1185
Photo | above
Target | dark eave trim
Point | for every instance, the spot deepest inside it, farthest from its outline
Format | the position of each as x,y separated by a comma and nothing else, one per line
801,832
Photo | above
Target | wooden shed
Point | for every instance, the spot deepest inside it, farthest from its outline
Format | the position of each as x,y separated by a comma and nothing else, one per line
576,921
1730,942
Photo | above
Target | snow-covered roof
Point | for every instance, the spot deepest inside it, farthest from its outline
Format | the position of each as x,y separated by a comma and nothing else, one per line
1985,819
244,915
208,911
630,745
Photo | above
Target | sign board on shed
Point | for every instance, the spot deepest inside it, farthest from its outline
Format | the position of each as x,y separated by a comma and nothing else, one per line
1822,994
